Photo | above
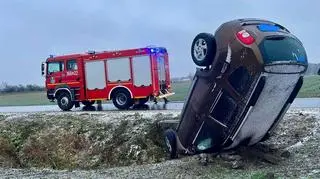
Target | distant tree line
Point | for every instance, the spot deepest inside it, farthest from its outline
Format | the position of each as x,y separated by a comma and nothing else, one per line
189,77
6,88
313,69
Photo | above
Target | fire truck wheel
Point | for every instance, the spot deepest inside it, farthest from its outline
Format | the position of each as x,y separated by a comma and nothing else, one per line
143,101
122,99
64,101
88,103
203,49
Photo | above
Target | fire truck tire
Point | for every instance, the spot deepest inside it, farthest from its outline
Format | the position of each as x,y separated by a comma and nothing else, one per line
203,49
122,99
64,101
143,101
88,103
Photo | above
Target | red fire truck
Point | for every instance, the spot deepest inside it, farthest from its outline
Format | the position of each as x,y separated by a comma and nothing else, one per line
126,77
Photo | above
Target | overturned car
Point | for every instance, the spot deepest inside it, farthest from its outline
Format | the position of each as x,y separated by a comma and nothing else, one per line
251,71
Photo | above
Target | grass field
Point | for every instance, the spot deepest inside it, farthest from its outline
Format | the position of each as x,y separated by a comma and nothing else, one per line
310,88
24,99
181,90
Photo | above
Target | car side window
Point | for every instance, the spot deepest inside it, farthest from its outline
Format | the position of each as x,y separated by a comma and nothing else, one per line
241,80
225,109
55,67
72,65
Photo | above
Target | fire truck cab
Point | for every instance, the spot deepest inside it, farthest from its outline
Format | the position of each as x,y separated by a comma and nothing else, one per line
126,77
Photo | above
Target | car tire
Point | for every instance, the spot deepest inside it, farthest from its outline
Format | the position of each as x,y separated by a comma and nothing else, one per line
203,49
122,99
171,142
64,101
88,103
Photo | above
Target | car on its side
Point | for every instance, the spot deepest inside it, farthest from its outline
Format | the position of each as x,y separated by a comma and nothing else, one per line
250,72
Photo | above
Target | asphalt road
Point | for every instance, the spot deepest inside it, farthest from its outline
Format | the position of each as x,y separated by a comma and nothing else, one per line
298,103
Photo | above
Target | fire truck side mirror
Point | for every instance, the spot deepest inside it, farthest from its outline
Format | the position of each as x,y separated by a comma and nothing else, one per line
43,69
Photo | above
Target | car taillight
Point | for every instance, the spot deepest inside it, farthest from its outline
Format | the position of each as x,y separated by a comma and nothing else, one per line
245,37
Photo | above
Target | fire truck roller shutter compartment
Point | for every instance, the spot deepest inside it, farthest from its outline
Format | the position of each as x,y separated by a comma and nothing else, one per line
141,71
95,75
118,69
161,68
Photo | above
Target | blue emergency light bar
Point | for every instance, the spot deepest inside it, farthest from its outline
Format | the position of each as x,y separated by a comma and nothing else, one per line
157,50
268,28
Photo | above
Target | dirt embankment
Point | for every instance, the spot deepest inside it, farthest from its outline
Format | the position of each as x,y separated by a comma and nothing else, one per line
80,140
130,145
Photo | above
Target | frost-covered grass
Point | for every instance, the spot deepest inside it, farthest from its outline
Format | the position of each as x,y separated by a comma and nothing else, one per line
86,141
129,144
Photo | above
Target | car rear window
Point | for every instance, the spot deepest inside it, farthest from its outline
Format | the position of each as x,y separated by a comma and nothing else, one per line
279,48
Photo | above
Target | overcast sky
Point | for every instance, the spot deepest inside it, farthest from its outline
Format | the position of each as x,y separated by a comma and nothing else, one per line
31,30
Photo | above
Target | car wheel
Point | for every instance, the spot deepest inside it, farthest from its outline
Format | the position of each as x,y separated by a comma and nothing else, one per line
88,103
64,101
122,99
171,142
203,49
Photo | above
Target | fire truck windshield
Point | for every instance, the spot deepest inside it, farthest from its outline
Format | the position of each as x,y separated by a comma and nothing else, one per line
55,67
